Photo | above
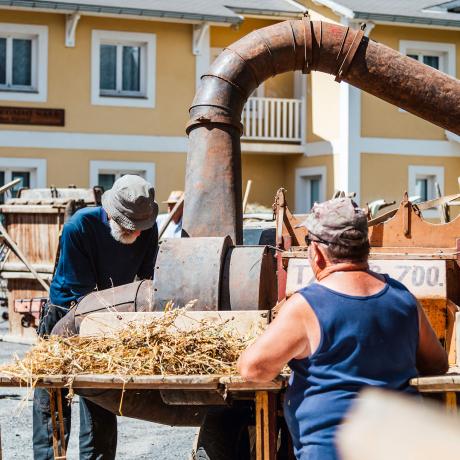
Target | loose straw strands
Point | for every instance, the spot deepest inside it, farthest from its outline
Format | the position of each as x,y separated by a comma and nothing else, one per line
154,348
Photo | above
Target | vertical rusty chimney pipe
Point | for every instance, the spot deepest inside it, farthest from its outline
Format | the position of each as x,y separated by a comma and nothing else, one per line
213,203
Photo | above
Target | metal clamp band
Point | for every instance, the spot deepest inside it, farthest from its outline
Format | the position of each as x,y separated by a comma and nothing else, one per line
208,119
308,44
344,67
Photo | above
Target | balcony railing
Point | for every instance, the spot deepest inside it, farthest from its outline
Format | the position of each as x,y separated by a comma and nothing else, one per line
273,119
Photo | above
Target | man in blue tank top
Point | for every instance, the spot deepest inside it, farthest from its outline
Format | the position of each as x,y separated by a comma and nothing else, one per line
350,329
100,247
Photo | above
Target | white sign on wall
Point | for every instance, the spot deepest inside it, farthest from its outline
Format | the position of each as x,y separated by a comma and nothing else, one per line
424,278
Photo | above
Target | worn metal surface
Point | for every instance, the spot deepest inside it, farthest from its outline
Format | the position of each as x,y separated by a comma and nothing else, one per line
213,180
145,405
249,281
189,269
243,323
131,297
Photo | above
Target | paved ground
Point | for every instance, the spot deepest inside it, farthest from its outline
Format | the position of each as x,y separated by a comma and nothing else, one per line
136,439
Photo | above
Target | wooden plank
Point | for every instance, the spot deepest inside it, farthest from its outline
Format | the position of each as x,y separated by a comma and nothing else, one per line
266,433
237,383
22,256
63,447
52,393
457,338
244,322
390,253
30,209
24,276
20,267
451,328
173,382
170,216
438,383
450,399
5,188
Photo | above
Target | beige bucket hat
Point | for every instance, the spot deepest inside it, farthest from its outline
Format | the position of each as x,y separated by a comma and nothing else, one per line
131,203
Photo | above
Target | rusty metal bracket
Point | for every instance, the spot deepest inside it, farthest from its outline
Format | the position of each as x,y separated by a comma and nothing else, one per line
214,120
407,206
308,44
339,54
346,63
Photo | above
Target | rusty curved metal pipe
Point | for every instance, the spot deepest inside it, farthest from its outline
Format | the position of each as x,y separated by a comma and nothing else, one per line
213,179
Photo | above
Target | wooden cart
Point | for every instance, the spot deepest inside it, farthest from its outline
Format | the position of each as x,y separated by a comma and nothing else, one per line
33,222
265,398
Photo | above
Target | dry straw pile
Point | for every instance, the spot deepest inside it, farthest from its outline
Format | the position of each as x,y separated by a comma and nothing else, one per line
154,348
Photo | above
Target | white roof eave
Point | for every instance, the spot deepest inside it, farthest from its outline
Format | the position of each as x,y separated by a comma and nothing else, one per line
452,137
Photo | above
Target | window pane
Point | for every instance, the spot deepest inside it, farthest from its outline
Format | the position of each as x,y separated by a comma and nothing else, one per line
314,191
24,183
106,180
413,56
421,189
131,68
108,67
432,61
22,62
2,62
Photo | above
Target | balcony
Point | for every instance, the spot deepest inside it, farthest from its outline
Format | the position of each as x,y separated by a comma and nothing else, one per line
273,119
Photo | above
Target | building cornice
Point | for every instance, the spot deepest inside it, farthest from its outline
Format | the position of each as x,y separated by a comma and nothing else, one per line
70,8
137,13
408,20
348,13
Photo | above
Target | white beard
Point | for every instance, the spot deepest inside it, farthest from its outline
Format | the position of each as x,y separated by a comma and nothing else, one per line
120,234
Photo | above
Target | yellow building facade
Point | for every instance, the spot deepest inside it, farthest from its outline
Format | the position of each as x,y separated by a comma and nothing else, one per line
125,82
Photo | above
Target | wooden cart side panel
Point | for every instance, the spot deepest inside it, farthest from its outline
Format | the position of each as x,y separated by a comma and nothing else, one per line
436,311
451,336
37,235
453,281
22,289
408,228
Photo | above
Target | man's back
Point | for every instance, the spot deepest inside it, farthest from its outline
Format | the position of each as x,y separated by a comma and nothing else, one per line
90,258
365,340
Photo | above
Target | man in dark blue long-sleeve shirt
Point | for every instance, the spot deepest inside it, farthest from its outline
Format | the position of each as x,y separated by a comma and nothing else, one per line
101,247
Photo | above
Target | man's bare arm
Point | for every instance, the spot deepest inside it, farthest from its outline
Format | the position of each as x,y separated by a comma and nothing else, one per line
284,339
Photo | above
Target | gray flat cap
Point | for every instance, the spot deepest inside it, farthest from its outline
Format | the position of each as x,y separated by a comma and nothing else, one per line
330,219
131,203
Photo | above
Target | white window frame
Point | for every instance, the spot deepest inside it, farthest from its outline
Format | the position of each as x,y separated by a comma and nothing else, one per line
35,166
446,51
434,174
96,167
39,72
301,176
147,42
